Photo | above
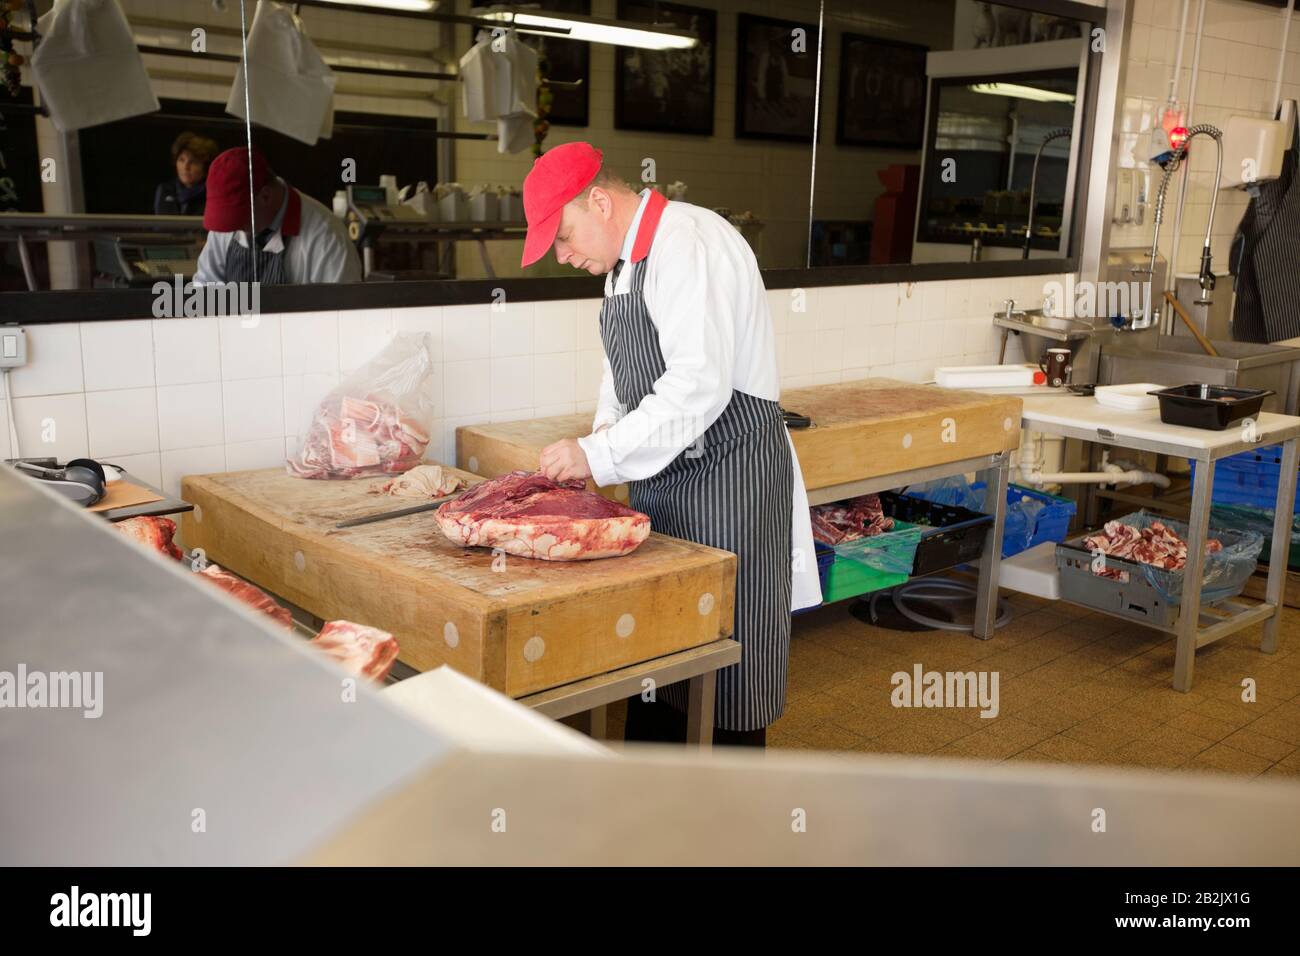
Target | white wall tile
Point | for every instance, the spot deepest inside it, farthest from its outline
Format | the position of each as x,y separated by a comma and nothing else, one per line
53,362
250,347
513,414
117,354
512,330
466,332
146,467
310,342
253,408
51,425
190,461
248,455
467,388
186,351
587,331
189,416
857,343
123,421
555,326
363,333
828,350
882,346
449,426
550,411
425,318
512,382
553,378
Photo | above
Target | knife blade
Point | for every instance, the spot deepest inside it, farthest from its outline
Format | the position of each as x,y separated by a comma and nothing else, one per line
385,515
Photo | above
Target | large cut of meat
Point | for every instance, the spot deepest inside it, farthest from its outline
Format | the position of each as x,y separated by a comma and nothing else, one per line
364,651
849,520
351,437
1156,545
527,514
250,594
152,532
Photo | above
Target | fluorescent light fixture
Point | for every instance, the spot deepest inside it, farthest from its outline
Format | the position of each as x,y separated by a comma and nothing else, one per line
1022,92
419,6
594,30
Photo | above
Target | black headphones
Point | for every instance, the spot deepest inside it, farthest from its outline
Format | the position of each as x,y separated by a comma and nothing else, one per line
81,479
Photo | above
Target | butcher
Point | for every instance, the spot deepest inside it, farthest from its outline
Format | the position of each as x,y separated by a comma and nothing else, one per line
273,233
687,413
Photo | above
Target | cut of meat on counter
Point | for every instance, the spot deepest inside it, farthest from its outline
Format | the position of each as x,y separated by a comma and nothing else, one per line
840,521
527,514
1156,545
250,594
153,532
364,651
422,481
355,437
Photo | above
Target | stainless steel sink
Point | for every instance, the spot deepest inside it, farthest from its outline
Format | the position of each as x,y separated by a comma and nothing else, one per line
1170,360
1041,332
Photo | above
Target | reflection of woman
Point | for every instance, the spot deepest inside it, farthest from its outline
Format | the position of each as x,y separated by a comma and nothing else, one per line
185,194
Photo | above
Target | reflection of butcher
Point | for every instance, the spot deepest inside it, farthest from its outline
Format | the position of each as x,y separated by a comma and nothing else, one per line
772,73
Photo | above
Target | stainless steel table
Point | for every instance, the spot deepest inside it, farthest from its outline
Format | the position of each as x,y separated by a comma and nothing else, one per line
1084,418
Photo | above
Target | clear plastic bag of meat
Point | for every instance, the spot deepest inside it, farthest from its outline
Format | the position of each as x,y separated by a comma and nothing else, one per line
376,421
1230,557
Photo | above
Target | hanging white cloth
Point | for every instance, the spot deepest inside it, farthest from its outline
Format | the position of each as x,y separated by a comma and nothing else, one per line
87,66
292,89
499,82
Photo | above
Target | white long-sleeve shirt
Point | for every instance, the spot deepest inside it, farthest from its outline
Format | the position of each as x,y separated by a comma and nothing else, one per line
320,250
706,298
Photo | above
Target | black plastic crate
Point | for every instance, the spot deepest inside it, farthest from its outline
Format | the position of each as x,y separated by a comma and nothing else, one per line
953,535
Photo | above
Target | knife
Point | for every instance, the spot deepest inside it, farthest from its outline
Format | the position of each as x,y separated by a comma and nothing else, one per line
385,515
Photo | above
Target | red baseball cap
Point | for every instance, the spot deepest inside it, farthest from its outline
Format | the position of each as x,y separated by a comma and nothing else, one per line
228,205
557,176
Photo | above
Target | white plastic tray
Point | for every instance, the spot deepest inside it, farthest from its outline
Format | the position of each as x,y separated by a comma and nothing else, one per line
1131,397
983,376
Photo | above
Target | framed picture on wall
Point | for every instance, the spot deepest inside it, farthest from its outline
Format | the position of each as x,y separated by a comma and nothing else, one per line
776,79
569,63
666,91
882,93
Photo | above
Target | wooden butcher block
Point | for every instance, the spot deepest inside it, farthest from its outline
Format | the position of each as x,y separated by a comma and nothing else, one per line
866,428
515,624
879,426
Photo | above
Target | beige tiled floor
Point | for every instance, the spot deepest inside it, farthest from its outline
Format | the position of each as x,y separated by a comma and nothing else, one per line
1075,687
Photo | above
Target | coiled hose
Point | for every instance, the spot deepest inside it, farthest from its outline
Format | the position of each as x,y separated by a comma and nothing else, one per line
939,590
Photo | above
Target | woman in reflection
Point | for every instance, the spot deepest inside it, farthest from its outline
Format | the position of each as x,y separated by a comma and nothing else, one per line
185,194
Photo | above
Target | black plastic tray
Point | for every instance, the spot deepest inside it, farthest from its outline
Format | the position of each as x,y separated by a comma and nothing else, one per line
1213,407
953,535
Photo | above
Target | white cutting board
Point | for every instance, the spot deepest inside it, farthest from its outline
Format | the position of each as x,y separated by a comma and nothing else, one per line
1084,412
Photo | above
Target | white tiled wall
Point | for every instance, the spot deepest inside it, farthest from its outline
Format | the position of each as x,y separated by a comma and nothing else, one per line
171,397
1240,53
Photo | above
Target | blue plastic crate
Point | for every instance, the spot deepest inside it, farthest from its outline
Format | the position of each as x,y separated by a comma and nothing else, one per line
1248,478
1051,523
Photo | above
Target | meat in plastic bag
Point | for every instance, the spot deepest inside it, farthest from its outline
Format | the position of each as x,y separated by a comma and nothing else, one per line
377,420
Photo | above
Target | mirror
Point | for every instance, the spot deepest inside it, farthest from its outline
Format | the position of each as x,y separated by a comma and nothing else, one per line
936,114
106,156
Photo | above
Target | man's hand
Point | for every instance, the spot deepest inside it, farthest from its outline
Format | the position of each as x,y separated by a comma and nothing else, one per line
564,460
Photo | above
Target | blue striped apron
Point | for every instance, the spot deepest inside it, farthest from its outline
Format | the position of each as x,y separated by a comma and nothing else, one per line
732,490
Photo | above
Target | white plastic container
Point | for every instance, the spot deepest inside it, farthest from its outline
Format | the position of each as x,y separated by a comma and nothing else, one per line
1032,572
454,207
1128,398
483,207
984,376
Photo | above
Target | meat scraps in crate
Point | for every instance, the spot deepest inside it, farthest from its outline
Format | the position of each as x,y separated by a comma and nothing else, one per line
351,437
527,514
859,517
1156,545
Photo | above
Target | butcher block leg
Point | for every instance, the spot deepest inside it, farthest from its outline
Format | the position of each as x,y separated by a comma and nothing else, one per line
986,597
699,709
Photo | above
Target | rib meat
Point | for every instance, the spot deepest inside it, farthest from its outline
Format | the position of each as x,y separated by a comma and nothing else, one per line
250,594
364,651
152,532
1156,545
859,517
527,514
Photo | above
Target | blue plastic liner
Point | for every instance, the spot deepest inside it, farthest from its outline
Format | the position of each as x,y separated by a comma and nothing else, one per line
1249,478
1033,516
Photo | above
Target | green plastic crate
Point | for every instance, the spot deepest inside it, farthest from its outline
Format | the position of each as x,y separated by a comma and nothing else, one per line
847,578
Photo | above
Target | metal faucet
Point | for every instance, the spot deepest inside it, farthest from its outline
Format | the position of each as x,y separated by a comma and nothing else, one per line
1033,184
1206,278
